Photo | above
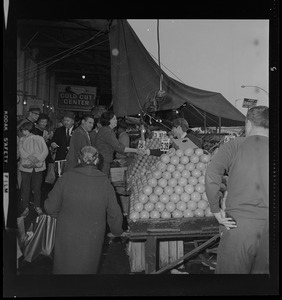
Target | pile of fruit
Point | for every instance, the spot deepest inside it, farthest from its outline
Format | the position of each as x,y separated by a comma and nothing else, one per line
141,164
173,187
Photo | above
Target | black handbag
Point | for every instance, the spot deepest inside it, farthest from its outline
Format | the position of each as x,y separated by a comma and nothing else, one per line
41,240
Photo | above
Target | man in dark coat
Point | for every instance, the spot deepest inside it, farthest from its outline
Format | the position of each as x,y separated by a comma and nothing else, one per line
79,139
83,201
61,138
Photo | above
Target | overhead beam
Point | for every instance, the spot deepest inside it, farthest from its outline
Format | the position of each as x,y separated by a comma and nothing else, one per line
68,25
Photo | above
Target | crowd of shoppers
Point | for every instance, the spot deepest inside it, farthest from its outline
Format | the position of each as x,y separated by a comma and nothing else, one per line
90,148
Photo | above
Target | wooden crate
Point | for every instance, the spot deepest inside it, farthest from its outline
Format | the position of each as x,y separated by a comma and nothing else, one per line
136,252
169,251
118,174
173,230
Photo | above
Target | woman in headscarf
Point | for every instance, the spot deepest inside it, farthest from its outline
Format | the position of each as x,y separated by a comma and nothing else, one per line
83,201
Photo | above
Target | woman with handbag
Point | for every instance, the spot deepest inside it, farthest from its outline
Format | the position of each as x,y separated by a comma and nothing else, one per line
83,201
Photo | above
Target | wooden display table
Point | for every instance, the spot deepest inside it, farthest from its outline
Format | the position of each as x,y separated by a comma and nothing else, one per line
152,231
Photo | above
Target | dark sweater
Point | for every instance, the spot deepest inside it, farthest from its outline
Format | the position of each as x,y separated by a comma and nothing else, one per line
247,165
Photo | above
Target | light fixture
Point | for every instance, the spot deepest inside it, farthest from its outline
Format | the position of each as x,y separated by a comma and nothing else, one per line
255,86
83,76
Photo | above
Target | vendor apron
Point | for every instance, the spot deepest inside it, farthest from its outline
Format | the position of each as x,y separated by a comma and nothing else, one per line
184,143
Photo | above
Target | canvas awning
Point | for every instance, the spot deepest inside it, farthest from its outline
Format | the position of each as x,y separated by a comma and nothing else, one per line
136,78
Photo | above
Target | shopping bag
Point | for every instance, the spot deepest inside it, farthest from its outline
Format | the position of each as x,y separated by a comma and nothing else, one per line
50,177
21,231
42,240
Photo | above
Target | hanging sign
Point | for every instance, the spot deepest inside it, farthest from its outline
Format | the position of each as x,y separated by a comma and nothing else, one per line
248,103
76,98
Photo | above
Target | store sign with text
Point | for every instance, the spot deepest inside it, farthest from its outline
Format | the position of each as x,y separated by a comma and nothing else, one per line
248,103
76,98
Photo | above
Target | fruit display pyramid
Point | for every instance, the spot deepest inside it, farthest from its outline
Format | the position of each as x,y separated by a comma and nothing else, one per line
169,186
141,164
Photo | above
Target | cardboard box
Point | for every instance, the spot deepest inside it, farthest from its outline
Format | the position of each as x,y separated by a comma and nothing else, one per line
117,174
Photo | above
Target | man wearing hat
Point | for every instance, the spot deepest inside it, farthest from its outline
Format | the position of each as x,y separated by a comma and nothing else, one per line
62,135
33,115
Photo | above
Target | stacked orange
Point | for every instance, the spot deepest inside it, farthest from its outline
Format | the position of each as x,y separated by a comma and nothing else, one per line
174,187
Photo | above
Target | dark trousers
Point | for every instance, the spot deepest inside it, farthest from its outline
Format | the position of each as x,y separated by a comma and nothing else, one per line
245,249
106,168
31,182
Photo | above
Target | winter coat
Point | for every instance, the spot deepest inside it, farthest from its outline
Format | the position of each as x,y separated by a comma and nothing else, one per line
83,201
33,145
79,139
125,140
60,138
107,143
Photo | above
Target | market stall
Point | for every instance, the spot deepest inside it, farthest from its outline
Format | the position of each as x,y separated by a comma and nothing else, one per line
167,204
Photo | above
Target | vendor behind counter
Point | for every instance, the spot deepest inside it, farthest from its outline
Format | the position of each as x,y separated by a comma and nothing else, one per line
181,139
